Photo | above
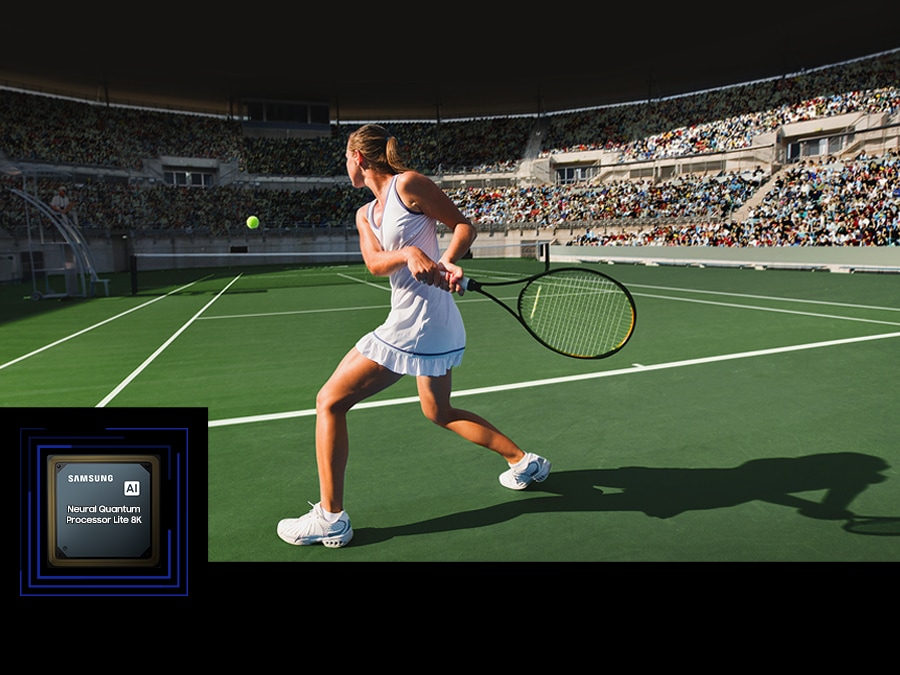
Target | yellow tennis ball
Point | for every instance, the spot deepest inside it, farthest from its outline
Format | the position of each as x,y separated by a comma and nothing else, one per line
252,222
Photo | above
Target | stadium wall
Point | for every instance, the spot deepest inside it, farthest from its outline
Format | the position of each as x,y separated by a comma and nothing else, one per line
831,258
113,255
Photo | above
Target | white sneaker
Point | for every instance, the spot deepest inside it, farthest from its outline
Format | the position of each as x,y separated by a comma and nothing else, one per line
314,529
536,470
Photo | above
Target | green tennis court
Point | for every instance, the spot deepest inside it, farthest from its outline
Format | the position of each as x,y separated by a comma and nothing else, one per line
750,415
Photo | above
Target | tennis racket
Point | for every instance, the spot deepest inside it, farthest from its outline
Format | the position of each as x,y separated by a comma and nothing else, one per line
576,312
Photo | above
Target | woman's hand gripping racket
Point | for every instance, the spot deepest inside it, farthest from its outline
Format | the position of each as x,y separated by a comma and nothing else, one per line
576,312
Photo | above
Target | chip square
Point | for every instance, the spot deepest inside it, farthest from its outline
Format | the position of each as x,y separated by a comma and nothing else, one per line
103,510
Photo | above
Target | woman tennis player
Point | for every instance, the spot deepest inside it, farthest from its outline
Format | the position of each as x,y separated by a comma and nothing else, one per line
422,336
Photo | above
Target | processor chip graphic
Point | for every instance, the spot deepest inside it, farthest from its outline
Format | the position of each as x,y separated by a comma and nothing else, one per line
103,510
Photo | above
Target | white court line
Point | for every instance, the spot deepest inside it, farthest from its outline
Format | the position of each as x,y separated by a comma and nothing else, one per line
766,309
560,380
311,311
293,311
326,309
764,297
323,310
137,371
637,295
96,325
367,283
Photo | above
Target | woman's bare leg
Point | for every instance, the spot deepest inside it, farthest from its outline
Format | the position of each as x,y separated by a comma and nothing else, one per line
355,379
434,394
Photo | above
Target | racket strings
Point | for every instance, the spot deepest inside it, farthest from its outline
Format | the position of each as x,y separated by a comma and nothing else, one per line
578,313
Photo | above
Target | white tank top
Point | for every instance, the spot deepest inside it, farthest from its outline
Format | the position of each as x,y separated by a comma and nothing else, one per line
424,332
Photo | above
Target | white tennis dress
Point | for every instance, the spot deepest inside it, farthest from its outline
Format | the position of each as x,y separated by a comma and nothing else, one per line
424,332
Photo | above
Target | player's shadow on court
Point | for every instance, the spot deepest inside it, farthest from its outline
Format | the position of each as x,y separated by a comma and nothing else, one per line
665,493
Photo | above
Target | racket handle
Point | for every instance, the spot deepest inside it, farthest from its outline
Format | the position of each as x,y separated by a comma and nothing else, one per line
469,284
466,283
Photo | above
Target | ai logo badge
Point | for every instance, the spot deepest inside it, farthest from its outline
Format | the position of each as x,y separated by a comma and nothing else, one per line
132,488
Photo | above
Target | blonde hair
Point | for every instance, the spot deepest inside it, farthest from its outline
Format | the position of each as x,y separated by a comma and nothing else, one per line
381,150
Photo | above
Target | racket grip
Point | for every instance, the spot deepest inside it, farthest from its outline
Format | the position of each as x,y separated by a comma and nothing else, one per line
466,283
469,284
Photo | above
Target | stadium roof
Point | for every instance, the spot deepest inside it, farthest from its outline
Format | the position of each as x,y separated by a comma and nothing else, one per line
428,61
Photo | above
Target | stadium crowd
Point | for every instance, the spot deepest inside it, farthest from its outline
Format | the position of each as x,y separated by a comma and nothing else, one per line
822,202
44,129
38,128
728,119
687,196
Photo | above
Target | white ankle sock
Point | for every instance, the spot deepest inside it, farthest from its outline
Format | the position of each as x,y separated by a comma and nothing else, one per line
521,464
329,516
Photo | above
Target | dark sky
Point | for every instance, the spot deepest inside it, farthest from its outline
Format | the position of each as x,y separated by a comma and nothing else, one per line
418,61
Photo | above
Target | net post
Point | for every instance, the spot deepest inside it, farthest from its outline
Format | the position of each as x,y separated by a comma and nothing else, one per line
133,270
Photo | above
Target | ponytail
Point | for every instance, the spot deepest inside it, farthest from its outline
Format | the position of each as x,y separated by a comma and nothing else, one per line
381,150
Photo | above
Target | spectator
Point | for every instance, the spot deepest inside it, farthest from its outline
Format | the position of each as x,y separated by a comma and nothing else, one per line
62,204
